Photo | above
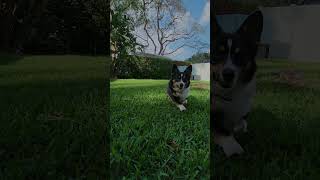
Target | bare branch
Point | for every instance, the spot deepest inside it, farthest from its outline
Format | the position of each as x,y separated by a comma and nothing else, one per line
146,24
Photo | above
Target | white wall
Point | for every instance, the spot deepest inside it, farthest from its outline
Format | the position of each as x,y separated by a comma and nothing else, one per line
293,32
201,70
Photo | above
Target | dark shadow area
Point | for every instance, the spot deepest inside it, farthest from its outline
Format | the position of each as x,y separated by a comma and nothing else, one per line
6,59
54,130
268,148
282,135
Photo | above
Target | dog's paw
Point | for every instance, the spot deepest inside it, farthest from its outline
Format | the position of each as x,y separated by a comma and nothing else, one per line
245,126
181,107
229,144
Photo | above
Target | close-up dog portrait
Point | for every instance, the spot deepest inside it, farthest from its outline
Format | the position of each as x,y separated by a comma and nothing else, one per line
265,96
233,83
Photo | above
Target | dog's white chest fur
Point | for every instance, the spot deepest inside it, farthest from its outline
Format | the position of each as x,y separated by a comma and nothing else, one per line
239,106
184,94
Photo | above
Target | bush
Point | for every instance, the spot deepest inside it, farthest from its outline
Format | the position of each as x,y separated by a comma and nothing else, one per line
136,67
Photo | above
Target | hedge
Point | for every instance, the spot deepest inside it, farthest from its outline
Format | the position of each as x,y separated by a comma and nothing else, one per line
136,67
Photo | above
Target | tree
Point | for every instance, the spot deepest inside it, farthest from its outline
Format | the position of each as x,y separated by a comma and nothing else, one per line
165,27
200,57
55,26
123,42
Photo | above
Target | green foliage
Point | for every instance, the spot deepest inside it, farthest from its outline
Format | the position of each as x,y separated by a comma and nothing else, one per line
56,27
146,68
123,42
199,58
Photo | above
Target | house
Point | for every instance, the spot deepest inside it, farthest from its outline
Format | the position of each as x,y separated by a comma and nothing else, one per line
200,71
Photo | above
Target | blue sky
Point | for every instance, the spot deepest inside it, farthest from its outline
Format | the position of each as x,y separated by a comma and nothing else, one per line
197,11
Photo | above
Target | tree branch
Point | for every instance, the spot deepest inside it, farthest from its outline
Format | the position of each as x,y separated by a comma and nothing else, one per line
146,23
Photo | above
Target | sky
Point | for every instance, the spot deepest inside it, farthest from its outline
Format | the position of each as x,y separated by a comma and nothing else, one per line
200,11
197,11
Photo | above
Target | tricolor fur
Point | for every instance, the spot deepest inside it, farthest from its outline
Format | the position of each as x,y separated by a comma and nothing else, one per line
179,86
233,69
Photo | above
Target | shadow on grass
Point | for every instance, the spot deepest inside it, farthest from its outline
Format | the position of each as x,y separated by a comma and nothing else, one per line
54,130
6,59
268,147
282,139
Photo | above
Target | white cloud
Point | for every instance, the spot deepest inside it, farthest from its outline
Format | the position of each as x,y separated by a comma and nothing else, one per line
205,18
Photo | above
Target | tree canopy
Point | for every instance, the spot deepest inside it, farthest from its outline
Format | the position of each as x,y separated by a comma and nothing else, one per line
55,26
200,57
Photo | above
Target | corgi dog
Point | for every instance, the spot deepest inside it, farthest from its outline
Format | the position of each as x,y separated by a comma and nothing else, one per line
233,86
179,86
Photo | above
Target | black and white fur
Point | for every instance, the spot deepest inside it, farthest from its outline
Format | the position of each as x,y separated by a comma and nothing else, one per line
179,86
233,70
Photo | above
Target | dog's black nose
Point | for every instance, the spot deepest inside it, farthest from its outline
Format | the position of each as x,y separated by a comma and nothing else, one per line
228,75
181,85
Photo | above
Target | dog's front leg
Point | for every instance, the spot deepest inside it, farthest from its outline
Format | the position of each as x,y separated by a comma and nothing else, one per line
185,101
229,144
242,125
181,107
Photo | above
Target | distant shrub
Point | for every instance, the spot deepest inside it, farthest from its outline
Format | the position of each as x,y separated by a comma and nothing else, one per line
146,68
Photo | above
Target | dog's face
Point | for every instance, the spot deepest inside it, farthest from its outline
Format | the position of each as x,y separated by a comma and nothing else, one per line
234,54
181,80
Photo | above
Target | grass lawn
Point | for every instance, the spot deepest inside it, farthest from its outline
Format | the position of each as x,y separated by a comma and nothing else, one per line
284,127
151,138
53,117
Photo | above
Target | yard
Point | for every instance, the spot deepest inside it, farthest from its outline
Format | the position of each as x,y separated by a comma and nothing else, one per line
53,117
151,138
284,127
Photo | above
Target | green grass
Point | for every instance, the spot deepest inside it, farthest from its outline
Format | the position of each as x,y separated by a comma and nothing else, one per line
284,138
53,117
151,138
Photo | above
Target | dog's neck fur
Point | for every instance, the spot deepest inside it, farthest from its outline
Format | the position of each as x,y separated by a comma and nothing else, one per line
237,102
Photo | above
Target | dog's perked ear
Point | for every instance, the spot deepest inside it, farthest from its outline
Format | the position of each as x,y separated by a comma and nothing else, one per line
188,69
216,31
175,69
251,31
252,27
215,27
